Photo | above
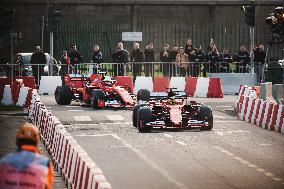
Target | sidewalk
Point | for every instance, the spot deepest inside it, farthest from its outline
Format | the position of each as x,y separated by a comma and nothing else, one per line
9,123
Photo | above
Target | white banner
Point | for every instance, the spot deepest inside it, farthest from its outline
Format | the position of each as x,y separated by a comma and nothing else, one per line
131,36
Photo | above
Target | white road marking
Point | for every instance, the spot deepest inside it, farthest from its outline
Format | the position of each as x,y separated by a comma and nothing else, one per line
86,124
73,106
115,117
229,110
181,143
82,118
223,106
93,135
227,121
249,164
168,136
122,124
224,133
218,116
75,110
264,144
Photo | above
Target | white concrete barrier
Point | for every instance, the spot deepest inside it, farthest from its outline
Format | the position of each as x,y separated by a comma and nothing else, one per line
143,83
202,87
178,82
48,84
23,96
7,96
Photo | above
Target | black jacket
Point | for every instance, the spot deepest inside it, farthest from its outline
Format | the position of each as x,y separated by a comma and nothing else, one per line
75,57
173,55
242,56
212,56
120,56
165,58
198,56
259,56
97,57
226,58
38,58
149,55
137,56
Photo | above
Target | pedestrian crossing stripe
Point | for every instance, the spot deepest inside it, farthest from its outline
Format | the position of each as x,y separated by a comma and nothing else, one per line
115,117
82,118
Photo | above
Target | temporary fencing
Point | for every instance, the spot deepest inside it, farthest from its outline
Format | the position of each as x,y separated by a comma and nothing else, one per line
72,162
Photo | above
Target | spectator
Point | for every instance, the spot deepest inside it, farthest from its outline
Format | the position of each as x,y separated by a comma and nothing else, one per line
242,58
211,45
97,58
165,59
189,50
181,62
198,56
136,58
38,60
26,167
65,63
259,62
75,57
225,59
173,55
149,57
212,59
120,58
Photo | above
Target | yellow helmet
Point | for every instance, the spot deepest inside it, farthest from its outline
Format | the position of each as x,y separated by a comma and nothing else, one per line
28,132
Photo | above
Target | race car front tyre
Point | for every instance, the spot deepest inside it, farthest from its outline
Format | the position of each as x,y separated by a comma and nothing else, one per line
143,95
97,98
135,114
144,117
206,114
63,95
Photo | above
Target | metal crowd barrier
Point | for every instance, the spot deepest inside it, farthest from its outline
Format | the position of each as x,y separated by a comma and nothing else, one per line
153,69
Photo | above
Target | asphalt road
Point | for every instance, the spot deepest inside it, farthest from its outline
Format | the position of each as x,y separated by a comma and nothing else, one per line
233,155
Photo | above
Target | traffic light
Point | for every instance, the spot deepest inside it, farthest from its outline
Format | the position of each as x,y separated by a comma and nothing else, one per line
7,18
53,17
249,14
276,23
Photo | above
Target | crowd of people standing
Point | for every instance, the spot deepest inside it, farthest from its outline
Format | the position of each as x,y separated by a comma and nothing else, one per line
188,60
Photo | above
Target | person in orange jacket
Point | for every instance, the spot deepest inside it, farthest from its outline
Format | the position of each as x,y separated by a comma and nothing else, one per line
26,168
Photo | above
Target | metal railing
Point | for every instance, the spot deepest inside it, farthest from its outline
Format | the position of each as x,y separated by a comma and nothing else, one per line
153,69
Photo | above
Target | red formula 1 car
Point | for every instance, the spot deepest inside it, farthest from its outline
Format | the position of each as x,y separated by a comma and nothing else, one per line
170,111
98,90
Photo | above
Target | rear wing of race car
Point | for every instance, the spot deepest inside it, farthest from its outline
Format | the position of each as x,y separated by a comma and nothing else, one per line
178,94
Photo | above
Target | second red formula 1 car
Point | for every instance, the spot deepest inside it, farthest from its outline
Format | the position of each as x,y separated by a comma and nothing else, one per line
97,90
170,111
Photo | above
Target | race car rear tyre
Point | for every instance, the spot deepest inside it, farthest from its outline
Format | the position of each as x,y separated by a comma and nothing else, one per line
135,114
98,94
144,117
63,95
144,95
207,115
